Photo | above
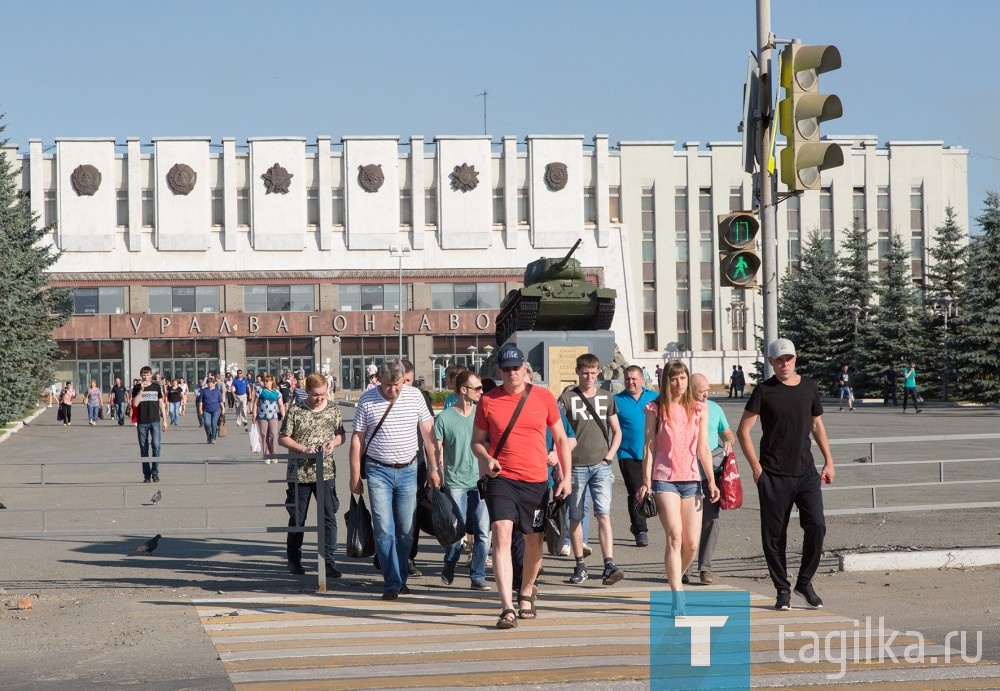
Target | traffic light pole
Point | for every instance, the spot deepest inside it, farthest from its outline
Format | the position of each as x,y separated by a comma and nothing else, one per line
767,184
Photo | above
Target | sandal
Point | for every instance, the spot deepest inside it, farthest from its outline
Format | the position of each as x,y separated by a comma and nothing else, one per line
504,623
531,613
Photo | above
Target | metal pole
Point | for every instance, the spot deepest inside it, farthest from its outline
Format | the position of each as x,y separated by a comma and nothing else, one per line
321,491
768,184
400,305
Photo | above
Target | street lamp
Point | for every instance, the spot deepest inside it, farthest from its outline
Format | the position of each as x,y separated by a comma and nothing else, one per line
738,310
944,303
400,252
472,356
433,359
854,309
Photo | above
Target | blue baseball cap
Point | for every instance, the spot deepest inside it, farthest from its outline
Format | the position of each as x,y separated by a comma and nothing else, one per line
510,357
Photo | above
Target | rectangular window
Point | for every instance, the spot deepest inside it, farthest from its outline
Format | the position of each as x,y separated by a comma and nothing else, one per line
442,296
168,300
337,203
882,208
705,245
391,295
590,205
705,222
648,210
860,212
278,299
793,218
523,207
183,299
312,206
430,207
648,298
206,299
160,300
301,297
917,208
349,297
648,246
50,207
255,298
405,208
615,203
218,207
148,209
735,198
680,211
243,206
498,208
465,296
121,207
649,342
109,300
488,296
826,209
372,297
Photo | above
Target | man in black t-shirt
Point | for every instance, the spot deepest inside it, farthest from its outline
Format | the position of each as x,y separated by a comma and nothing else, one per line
789,408
149,398
118,399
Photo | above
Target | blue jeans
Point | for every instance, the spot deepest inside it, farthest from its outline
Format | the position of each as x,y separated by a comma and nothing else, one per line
149,435
175,413
119,412
93,412
469,502
392,496
210,419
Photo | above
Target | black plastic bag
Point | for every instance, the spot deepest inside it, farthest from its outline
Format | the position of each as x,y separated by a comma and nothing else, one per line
425,523
360,533
449,527
555,522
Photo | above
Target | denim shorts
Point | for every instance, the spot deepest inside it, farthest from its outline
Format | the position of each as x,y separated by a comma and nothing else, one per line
685,489
597,480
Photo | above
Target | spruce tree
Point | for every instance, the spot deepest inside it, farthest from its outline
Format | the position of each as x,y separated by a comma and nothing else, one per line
945,279
857,286
808,317
892,324
29,311
974,351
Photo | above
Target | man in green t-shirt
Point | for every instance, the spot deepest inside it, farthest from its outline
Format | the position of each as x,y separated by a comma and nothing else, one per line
453,430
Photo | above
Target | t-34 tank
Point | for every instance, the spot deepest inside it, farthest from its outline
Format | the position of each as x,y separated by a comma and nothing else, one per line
556,297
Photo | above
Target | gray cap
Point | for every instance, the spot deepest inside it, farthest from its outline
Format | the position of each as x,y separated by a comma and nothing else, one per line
780,347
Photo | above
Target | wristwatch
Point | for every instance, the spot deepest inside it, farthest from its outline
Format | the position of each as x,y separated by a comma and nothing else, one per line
435,468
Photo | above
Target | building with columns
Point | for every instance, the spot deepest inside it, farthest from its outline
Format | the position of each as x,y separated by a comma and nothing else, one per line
195,255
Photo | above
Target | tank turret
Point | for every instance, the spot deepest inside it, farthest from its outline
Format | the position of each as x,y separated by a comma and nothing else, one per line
556,297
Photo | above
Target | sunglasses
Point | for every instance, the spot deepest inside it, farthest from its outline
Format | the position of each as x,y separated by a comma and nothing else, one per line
474,388
510,369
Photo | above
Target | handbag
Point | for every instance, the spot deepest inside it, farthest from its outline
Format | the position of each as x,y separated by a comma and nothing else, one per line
360,534
730,486
647,507
222,425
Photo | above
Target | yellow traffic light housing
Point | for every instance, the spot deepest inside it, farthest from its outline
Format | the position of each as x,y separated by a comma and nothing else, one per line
801,112
739,261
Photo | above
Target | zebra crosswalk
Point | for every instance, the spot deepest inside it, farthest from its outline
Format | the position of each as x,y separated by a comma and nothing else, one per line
591,639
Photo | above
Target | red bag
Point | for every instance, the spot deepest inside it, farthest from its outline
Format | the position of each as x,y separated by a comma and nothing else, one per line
730,486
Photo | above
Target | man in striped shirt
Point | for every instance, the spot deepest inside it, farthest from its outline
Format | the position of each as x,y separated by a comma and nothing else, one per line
385,441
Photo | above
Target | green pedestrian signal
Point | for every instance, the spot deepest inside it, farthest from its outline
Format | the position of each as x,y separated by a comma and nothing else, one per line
738,258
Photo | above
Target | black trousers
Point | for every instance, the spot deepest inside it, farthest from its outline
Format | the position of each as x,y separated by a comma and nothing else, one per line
632,474
297,504
778,493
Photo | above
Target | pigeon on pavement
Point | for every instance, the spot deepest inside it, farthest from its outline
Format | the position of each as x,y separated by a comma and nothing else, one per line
148,546
2,506
156,497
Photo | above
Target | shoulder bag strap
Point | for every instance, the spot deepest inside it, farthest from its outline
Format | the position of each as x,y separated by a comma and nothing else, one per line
513,419
364,449
593,414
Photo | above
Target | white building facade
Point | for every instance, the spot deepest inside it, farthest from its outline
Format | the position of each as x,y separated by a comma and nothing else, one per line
196,256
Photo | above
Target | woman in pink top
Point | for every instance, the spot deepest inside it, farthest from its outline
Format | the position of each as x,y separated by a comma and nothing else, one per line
676,441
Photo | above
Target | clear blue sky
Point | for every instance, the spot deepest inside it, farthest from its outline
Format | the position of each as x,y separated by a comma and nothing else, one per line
913,69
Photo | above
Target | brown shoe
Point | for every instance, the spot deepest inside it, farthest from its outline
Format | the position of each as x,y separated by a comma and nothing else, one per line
707,578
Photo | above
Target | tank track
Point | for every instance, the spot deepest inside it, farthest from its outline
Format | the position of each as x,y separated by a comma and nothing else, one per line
520,316
605,314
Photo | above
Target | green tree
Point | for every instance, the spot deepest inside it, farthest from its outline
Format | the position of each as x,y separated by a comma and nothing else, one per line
975,352
808,317
945,283
892,323
857,287
29,311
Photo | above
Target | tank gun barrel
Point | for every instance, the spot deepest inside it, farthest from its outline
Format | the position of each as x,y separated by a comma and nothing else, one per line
562,262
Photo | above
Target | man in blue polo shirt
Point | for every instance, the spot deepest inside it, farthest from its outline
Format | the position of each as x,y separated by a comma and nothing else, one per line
240,385
632,418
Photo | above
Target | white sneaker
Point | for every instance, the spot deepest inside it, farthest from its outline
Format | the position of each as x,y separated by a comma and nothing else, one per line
565,551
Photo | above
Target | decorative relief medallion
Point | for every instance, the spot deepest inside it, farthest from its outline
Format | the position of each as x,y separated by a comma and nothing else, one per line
276,180
370,177
464,178
86,180
556,176
181,178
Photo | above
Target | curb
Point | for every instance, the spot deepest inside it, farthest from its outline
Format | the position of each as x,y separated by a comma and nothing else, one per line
5,435
930,559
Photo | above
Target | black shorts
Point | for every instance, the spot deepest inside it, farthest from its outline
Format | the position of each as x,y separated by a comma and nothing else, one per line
517,501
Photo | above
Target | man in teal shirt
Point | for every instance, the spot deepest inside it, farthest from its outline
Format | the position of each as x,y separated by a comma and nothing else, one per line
720,441
453,430
631,405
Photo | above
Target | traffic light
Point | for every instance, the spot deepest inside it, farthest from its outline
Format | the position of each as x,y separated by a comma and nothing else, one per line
738,258
801,112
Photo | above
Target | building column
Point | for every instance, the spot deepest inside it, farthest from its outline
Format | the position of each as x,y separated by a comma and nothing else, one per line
325,193
417,202
134,161
601,190
229,188
510,191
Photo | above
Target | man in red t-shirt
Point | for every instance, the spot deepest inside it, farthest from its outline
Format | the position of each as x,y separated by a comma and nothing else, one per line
517,489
